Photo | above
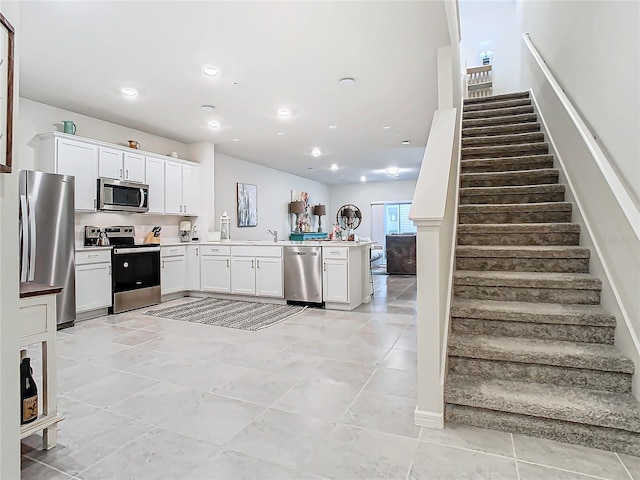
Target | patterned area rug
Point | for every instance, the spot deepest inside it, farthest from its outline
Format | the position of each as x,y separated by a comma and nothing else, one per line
229,313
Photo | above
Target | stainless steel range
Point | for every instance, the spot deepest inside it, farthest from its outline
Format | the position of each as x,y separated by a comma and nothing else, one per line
135,267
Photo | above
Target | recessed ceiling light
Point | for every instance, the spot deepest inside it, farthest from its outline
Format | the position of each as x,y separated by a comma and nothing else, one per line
309,168
332,127
129,92
334,167
235,84
347,81
393,171
406,142
386,127
284,112
363,178
316,152
208,108
211,71
213,124
280,133
398,134
236,139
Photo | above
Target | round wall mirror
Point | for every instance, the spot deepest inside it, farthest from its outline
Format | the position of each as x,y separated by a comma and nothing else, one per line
349,217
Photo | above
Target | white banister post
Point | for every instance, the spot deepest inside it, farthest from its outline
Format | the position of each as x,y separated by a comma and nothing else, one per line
430,408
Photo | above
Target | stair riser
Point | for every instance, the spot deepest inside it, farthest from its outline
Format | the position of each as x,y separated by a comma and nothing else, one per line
504,165
509,179
511,198
550,374
558,265
498,112
500,130
496,98
531,137
543,331
504,151
535,295
493,121
549,239
514,217
604,438
517,102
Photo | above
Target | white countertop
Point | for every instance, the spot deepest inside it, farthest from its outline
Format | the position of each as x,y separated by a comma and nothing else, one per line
81,248
267,243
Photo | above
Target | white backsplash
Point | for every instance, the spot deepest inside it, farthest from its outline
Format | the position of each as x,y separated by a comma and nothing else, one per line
143,224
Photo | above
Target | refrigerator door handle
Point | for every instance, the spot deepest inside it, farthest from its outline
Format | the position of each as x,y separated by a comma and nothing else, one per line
32,239
24,257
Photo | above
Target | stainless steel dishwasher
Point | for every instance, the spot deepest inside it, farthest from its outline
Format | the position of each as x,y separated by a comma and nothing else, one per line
303,274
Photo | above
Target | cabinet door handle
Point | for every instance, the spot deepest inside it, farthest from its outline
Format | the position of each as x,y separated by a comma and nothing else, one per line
126,175
257,263
197,251
324,266
92,255
180,208
185,209
109,269
227,263
252,263
162,263
120,173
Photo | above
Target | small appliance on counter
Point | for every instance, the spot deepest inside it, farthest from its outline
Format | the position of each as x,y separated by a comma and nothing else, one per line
185,231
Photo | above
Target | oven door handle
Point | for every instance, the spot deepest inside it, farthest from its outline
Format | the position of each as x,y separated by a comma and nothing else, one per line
122,251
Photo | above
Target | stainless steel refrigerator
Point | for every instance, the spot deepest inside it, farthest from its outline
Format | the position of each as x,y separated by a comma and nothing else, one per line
47,245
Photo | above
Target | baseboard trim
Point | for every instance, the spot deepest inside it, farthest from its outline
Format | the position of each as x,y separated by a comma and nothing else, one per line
423,418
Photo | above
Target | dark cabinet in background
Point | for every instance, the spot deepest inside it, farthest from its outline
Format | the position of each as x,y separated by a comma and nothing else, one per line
401,254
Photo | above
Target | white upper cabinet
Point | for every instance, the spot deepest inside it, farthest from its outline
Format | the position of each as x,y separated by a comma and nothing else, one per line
182,188
173,188
121,165
191,189
80,160
155,179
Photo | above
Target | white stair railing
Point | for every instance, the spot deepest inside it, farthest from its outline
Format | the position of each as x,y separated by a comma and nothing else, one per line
479,81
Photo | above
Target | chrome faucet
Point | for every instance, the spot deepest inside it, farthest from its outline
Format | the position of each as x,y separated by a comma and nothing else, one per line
274,233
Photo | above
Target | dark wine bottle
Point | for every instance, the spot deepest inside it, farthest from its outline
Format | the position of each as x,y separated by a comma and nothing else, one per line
29,393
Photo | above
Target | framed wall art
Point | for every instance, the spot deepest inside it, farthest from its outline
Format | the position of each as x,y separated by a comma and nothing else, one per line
247,205
6,94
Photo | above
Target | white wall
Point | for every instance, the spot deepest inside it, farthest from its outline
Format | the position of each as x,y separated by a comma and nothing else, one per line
495,21
593,50
9,277
362,195
274,195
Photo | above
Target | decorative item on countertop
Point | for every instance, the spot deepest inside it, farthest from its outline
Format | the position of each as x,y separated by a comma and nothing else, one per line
153,237
28,391
69,127
247,205
185,231
319,210
134,144
225,227
297,207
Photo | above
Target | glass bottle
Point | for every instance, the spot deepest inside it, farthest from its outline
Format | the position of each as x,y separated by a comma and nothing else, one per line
29,393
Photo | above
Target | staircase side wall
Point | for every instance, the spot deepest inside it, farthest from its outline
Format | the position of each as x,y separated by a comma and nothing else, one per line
606,230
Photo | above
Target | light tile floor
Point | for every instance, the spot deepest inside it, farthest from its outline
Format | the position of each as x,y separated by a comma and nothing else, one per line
324,395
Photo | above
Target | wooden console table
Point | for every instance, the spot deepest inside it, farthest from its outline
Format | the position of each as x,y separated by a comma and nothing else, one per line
37,317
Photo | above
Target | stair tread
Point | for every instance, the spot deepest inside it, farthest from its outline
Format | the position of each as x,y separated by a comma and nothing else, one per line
557,313
488,131
508,119
559,353
578,281
497,112
563,227
513,146
577,405
513,189
514,138
497,103
493,98
531,251
511,207
517,173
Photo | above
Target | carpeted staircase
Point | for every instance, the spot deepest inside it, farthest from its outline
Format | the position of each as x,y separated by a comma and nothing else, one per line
531,351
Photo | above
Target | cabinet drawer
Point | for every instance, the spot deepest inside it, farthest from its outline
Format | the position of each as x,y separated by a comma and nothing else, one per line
101,256
215,250
257,251
177,251
33,319
333,252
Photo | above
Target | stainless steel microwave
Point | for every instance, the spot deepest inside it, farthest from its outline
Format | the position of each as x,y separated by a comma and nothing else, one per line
121,196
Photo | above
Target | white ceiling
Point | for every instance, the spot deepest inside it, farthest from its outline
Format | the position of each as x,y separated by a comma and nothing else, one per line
78,55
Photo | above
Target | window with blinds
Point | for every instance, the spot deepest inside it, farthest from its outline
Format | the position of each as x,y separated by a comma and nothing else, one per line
396,219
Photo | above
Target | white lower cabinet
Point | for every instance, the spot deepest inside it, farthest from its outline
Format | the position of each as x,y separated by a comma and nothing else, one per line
215,269
258,274
93,280
335,274
173,269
